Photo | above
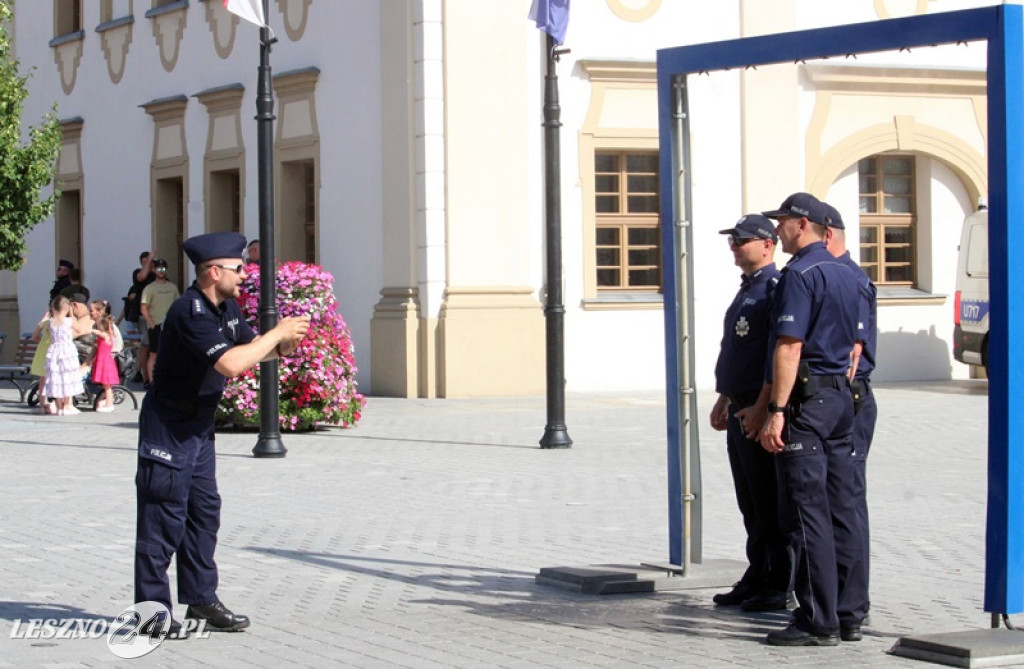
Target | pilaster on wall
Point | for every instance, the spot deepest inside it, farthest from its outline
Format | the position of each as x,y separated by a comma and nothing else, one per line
491,324
393,344
400,351
491,342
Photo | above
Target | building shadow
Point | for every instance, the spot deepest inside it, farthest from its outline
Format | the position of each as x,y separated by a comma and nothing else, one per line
905,355
513,595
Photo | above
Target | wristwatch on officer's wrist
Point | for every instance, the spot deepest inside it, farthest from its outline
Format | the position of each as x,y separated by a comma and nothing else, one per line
775,408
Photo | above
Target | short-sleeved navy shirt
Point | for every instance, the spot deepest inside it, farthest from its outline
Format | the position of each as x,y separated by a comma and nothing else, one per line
195,334
747,328
818,301
867,318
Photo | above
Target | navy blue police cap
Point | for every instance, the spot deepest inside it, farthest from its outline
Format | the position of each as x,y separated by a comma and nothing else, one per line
752,226
801,205
832,217
214,245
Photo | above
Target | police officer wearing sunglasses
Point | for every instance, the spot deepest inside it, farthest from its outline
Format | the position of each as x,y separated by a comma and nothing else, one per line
205,339
739,379
810,416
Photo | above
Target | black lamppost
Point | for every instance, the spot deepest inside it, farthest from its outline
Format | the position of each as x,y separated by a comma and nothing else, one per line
269,444
556,434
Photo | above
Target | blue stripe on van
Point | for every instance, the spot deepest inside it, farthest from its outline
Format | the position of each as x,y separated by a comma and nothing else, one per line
973,311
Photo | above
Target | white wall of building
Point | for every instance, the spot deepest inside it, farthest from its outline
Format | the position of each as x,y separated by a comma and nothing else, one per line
621,349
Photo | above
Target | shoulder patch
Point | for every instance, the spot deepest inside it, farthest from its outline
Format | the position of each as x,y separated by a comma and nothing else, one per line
198,307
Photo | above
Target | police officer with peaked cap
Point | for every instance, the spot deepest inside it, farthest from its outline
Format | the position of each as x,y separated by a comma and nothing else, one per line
853,547
810,415
205,339
739,380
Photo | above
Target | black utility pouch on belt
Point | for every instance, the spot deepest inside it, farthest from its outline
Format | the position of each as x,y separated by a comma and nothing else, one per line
806,385
860,390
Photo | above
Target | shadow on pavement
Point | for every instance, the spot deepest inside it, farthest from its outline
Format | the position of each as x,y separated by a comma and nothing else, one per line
41,610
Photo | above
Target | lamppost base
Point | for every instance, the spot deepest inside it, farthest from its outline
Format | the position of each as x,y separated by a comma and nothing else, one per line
556,437
269,447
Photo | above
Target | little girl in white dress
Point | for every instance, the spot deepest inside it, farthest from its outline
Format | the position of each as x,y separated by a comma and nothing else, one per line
63,377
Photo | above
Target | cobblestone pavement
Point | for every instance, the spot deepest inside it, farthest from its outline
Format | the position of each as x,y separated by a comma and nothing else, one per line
414,539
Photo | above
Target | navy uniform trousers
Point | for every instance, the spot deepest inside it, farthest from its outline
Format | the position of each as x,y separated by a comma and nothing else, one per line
757,493
178,505
818,507
854,560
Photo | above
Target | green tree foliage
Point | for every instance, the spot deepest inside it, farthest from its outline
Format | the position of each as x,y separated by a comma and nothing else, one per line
24,168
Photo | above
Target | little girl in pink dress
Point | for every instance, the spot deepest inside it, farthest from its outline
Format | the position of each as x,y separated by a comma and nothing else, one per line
104,369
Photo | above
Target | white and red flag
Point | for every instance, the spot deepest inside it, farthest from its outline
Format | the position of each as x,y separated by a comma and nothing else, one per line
250,10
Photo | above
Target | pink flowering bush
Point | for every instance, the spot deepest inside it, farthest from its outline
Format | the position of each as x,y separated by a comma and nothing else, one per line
318,381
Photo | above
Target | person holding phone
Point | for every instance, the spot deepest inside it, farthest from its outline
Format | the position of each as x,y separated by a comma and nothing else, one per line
204,340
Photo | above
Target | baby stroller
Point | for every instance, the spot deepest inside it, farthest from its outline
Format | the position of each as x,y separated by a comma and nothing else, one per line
93,395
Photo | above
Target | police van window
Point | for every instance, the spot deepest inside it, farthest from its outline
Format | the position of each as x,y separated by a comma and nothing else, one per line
977,251
888,218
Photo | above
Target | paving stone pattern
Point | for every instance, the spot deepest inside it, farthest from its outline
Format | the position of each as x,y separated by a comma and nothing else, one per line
414,539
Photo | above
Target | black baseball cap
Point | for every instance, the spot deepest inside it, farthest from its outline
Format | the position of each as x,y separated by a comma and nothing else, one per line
752,226
803,205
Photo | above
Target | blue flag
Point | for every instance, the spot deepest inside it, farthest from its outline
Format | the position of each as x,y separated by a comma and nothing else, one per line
551,16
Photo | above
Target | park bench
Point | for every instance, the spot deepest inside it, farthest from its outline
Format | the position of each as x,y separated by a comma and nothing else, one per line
17,374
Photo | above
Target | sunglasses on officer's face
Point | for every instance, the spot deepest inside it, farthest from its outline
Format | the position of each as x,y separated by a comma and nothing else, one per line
740,241
237,269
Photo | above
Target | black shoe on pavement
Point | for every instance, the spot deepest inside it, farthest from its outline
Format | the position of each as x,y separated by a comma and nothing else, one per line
740,593
850,632
770,601
794,636
218,617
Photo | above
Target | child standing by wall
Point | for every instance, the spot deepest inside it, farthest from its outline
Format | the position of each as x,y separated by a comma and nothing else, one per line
63,379
104,369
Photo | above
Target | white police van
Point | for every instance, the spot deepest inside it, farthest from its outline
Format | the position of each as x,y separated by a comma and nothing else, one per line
970,331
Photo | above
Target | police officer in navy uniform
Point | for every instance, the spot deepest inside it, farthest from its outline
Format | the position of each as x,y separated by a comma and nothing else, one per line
205,339
810,415
853,557
739,380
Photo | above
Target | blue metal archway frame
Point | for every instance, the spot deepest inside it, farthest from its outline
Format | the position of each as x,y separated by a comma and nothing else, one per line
1001,27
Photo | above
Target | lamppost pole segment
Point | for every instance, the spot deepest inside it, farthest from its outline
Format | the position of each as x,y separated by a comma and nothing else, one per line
556,434
269,444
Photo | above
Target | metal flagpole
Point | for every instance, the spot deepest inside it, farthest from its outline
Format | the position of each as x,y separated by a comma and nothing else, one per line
269,444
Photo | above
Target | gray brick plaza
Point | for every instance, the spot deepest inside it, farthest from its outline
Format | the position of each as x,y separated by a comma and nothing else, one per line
414,539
